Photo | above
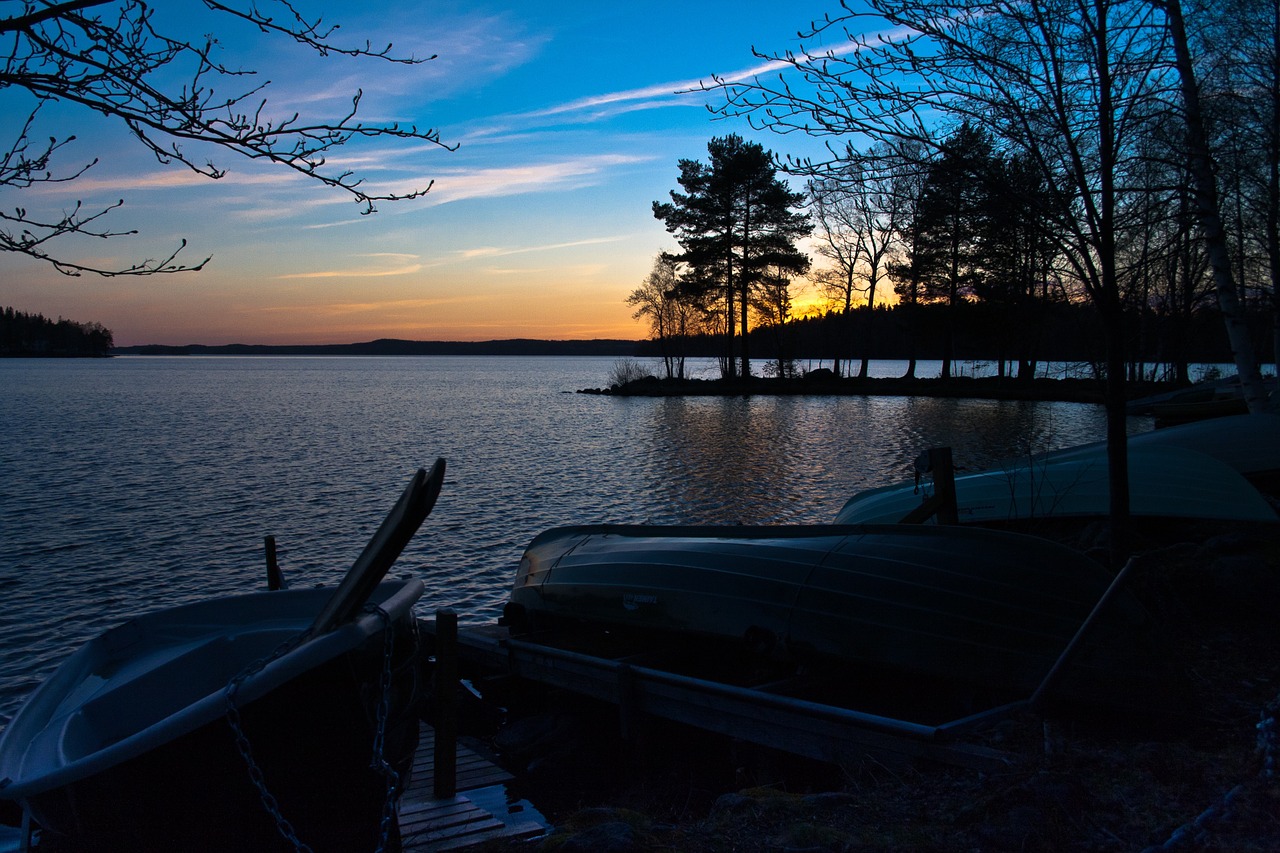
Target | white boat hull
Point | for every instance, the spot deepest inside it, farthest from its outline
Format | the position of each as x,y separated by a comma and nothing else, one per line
1165,481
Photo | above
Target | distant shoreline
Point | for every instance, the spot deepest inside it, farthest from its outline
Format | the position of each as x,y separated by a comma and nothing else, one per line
388,346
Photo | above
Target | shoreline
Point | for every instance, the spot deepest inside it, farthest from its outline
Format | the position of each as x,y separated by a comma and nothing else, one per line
987,388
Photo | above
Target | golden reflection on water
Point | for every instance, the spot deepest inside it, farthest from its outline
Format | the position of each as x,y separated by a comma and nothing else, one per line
763,460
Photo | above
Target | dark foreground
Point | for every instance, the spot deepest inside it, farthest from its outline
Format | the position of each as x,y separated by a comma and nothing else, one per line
1104,785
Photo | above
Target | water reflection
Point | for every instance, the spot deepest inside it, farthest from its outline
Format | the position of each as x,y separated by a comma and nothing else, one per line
722,458
137,483
765,460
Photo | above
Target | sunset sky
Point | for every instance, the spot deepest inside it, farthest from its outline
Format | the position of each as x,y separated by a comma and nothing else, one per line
568,124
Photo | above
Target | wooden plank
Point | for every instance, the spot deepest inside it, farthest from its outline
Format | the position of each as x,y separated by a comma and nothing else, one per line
429,824
474,770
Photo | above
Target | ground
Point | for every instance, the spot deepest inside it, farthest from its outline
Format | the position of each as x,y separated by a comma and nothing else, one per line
1097,785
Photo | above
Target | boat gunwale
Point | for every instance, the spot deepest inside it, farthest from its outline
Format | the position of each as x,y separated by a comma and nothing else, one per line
35,722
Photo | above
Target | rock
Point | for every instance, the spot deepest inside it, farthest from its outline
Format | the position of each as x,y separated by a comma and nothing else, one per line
612,837
830,799
730,803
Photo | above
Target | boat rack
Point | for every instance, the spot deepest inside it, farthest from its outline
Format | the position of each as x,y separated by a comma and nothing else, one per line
756,714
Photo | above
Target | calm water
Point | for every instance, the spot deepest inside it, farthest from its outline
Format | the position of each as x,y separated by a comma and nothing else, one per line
141,482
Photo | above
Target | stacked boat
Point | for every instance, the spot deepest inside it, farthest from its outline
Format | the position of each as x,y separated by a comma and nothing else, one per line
962,608
1204,470
983,611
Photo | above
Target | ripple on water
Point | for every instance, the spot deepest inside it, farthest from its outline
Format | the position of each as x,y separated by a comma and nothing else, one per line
132,484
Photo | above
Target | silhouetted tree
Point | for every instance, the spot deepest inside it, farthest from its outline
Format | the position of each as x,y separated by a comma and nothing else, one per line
857,212
669,311
24,334
734,221
954,219
772,303
1203,167
1071,86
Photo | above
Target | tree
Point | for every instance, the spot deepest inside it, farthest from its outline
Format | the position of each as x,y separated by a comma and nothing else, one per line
857,211
176,98
734,222
670,313
838,241
32,334
1017,253
772,303
1069,85
953,213
1235,74
1208,210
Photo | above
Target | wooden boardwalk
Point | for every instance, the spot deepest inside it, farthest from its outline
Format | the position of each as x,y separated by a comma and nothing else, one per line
462,821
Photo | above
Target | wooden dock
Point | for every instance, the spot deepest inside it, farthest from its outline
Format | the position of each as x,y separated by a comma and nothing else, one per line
476,814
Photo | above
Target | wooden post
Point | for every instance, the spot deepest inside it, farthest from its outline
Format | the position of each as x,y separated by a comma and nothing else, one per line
275,578
631,723
944,484
937,461
446,702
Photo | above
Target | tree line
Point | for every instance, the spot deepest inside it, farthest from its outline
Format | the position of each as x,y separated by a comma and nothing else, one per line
1068,333
1120,152
24,334
959,236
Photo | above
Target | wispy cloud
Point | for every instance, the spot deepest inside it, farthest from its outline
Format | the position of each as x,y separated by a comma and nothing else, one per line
567,174
401,264
498,252
675,93
387,306
570,271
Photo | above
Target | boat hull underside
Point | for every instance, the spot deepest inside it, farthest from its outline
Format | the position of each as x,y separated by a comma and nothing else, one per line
986,609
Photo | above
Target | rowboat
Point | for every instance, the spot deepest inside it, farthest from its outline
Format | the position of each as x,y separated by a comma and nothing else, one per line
968,608
1165,481
244,722
1248,444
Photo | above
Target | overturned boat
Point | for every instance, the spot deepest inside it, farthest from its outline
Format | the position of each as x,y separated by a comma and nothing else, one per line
253,722
1248,444
1166,480
961,608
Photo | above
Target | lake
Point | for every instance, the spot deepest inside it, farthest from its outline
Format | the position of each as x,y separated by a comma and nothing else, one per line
134,483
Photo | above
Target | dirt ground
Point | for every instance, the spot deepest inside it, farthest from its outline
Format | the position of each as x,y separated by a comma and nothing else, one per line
1210,780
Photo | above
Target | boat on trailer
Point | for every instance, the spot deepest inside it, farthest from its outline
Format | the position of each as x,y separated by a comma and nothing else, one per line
251,722
967,609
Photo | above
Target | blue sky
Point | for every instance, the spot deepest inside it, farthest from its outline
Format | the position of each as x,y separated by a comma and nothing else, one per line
568,126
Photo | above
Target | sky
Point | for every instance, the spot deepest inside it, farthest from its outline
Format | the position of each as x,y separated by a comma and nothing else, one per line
569,119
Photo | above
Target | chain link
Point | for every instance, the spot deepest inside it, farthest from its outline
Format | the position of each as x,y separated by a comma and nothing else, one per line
378,762
269,801
1198,830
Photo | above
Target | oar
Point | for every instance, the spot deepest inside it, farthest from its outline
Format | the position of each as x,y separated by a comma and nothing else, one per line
375,561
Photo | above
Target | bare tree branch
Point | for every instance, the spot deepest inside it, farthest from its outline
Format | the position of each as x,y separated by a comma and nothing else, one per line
106,56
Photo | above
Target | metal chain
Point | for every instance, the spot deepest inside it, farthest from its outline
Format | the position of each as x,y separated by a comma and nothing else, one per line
379,762
1268,741
269,801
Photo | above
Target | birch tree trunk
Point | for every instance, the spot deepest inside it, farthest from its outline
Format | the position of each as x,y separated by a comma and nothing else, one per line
1205,188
